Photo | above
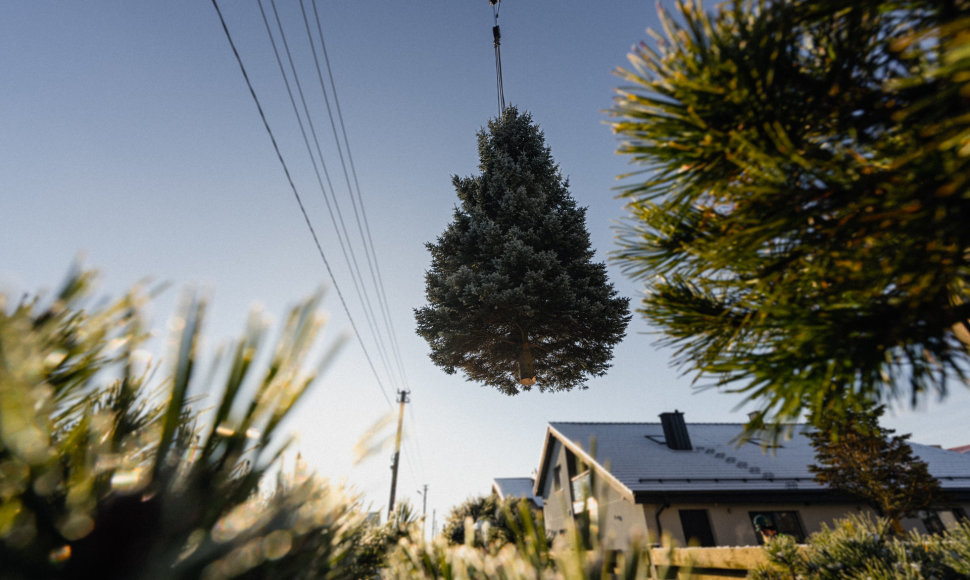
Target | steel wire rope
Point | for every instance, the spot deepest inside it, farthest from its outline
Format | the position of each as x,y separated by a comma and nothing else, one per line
299,200
336,218
497,40
365,229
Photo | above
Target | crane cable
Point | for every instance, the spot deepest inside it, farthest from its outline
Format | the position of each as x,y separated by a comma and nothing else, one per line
497,36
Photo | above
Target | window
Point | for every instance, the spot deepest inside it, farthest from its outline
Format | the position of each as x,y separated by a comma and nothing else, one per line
788,523
697,528
557,478
581,486
582,494
932,522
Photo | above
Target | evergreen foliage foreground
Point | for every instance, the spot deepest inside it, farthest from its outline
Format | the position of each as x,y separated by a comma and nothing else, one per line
107,470
800,214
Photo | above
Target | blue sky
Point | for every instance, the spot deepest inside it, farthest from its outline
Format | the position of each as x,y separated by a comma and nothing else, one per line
129,137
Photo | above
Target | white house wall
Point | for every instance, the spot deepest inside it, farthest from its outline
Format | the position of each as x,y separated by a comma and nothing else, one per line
731,523
624,520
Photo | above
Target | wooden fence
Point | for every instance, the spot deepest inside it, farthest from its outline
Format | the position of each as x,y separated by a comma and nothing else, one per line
706,563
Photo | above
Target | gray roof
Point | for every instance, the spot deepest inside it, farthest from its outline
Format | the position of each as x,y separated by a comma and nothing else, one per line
636,455
516,487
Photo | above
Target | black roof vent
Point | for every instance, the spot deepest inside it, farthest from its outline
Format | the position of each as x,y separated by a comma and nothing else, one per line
675,431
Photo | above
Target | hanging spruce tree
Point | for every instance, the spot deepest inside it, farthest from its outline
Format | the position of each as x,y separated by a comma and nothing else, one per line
514,298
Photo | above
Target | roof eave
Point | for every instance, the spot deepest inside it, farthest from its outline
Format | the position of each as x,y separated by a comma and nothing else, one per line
742,496
764,496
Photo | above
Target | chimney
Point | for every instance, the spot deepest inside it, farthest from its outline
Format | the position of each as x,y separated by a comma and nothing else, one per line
675,431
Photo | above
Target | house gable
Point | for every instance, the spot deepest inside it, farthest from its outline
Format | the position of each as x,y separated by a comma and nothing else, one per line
548,462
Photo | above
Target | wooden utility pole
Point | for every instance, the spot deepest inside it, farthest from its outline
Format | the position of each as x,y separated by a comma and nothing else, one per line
424,508
402,399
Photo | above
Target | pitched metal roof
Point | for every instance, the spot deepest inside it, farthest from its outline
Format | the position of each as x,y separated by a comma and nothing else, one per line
516,487
637,457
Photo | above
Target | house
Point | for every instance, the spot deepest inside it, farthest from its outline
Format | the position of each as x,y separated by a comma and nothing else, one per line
694,483
523,487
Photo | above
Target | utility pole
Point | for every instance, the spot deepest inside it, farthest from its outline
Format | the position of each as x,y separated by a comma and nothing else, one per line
424,508
402,399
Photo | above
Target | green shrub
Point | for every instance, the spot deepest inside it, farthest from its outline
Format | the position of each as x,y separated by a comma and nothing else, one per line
499,519
864,547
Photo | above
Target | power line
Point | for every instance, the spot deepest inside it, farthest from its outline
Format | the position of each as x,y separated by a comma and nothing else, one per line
365,230
414,430
336,216
361,215
299,200
329,192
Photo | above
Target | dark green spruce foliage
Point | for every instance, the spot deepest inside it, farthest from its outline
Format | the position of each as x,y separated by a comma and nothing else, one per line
801,216
513,275
856,455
